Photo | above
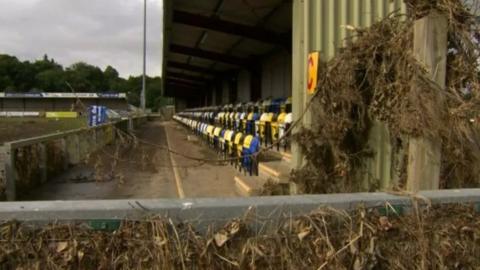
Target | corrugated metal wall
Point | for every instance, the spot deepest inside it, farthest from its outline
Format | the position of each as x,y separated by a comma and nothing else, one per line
319,25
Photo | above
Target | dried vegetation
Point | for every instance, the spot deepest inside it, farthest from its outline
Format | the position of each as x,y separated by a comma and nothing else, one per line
446,237
377,78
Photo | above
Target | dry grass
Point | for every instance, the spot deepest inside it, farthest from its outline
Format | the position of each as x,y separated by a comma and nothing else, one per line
446,237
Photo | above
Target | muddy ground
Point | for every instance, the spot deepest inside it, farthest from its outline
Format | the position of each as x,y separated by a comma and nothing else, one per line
21,128
143,171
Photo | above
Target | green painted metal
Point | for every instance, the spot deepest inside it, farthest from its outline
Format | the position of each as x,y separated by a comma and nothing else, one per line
391,210
104,225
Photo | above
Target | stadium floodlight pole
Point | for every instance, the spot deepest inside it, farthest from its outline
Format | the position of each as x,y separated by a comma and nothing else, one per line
144,82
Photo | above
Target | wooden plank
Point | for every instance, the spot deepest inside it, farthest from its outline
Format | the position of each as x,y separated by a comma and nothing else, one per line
430,47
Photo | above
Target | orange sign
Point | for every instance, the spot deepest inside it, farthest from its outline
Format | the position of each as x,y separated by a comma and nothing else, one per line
313,59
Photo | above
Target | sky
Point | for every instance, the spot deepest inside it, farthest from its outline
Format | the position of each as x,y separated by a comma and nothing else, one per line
99,32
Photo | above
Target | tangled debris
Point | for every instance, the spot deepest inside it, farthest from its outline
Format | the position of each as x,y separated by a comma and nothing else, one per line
446,237
376,78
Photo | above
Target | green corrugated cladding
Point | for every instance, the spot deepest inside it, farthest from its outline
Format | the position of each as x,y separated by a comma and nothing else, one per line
319,25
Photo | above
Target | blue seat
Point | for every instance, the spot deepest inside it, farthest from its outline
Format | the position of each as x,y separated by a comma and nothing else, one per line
249,161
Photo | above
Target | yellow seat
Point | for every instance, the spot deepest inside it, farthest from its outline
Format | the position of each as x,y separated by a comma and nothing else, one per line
216,131
266,117
210,129
248,141
239,146
276,126
229,142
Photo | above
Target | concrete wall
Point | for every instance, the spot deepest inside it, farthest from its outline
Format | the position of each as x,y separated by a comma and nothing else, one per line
214,96
180,104
28,163
243,86
277,75
276,78
225,92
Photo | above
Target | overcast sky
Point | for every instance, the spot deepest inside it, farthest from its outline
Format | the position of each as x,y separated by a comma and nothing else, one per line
99,32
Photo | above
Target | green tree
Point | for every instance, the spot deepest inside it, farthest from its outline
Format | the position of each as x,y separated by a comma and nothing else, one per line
52,80
47,75
10,68
86,78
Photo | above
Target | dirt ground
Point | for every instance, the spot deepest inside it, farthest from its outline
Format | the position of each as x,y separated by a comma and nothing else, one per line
144,171
20,128
199,180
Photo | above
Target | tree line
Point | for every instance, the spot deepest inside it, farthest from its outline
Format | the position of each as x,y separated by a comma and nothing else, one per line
45,75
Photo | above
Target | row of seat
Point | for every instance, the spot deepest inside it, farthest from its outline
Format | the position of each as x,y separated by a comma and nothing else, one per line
238,148
268,119
237,132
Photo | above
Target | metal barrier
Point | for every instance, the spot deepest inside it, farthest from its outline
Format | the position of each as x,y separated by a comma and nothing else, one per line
30,162
204,212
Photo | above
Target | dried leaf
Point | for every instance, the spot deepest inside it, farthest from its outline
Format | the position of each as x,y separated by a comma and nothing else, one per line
220,239
303,234
80,255
385,224
61,246
234,228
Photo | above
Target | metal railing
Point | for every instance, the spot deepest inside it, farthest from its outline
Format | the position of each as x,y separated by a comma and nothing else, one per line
205,212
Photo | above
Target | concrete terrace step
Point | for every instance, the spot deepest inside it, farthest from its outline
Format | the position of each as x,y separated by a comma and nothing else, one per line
278,171
286,156
272,155
249,185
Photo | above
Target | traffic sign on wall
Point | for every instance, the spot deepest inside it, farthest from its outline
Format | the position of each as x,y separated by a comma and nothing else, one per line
313,63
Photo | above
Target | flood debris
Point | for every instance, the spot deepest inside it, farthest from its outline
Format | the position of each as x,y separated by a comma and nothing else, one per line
438,237
371,80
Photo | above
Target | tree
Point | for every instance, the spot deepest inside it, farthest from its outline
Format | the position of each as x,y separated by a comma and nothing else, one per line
10,68
110,73
52,80
48,76
86,78
153,92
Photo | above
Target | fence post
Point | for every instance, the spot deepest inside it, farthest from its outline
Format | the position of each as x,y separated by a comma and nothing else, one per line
10,174
430,48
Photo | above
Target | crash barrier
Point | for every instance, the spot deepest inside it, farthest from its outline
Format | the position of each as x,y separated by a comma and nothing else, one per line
27,163
237,132
207,212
